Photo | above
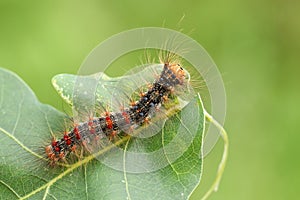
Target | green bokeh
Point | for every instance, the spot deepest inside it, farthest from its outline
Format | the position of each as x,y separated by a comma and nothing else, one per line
254,43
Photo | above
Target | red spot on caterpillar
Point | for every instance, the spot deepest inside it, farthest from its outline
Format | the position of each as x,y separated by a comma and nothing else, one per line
77,136
54,143
57,149
76,132
109,122
66,137
68,142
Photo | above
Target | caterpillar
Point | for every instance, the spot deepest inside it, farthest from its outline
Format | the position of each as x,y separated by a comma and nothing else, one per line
110,124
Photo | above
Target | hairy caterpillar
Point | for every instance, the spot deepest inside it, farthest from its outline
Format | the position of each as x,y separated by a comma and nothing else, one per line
111,123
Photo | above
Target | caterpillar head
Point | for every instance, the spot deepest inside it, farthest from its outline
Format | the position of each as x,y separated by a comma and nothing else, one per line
178,72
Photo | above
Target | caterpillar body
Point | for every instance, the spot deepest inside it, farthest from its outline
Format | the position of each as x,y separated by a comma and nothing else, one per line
110,124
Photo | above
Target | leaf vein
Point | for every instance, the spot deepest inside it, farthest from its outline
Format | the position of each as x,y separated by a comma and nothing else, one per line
19,114
85,182
73,167
1,96
124,170
20,143
10,188
46,192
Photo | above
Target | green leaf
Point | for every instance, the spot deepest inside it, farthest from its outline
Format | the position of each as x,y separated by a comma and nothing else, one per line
26,127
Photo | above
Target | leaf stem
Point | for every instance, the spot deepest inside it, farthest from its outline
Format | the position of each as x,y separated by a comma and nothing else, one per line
215,185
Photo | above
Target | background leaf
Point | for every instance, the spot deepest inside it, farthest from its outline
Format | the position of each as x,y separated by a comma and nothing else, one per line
254,43
25,127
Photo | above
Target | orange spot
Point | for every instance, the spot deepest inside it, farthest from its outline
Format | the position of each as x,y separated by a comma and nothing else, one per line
147,120
165,98
48,149
61,155
73,148
112,135
142,94
51,156
149,86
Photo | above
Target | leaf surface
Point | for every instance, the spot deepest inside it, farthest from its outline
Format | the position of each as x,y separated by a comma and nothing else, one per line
25,129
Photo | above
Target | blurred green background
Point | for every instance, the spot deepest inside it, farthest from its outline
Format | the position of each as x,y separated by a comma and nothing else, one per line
254,43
